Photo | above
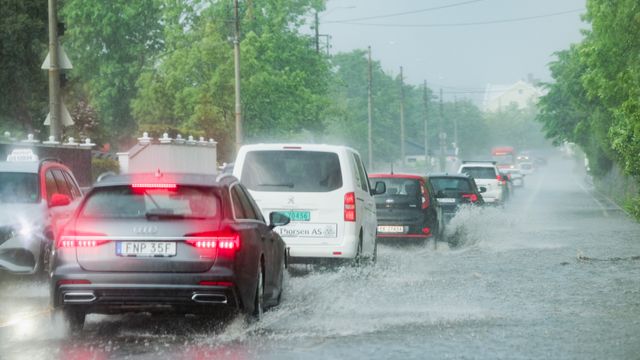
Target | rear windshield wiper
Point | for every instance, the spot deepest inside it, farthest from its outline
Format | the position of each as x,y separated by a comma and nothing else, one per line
289,185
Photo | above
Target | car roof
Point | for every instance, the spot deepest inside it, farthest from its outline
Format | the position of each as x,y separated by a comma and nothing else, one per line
478,164
447,175
297,146
397,176
164,178
20,166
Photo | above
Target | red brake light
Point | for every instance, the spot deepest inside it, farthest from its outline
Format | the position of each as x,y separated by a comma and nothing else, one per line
472,197
154,186
425,197
498,177
72,239
228,240
426,230
350,206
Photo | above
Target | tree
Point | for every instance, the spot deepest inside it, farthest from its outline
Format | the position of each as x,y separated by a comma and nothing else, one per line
23,39
110,44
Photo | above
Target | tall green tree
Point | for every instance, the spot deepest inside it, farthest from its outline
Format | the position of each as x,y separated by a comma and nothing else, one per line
110,44
23,46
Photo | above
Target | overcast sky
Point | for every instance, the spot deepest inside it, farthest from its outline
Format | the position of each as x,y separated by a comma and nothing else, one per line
462,59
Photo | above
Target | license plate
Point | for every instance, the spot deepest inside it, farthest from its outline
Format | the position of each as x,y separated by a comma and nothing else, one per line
296,215
390,229
446,200
146,248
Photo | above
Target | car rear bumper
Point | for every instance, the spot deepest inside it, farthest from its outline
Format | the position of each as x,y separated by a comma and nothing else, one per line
126,292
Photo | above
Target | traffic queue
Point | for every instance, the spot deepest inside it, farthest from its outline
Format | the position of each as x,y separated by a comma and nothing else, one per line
168,236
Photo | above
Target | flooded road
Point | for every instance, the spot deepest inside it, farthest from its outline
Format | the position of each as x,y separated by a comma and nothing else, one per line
556,274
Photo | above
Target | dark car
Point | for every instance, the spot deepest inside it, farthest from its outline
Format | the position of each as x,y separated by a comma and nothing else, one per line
407,210
452,191
36,196
167,242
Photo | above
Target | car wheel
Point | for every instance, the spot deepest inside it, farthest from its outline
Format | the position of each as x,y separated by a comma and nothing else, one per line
374,258
357,260
282,281
258,301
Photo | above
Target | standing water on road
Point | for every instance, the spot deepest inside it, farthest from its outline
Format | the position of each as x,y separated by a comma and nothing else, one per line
554,274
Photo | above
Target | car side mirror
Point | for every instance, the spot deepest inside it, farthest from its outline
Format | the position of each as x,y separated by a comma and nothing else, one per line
59,200
278,219
483,189
380,188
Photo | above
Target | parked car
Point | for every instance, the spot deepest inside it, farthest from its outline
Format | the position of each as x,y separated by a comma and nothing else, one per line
407,210
455,190
325,191
36,196
486,174
167,242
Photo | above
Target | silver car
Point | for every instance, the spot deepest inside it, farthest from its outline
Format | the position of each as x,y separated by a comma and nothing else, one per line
36,197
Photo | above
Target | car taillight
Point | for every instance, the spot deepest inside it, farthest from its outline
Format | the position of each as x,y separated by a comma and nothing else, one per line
425,197
70,238
426,230
154,186
73,282
472,197
350,206
228,240
498,177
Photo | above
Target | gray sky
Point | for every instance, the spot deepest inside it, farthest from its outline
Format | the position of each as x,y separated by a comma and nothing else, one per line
461,59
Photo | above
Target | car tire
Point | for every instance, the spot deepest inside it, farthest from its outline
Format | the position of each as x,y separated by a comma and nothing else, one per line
282,282
258,300
357,260
374,257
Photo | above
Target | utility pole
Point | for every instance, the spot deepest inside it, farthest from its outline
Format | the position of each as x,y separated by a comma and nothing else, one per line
236,58
55,128
317,28
442,136
370,111
425,101
402,150
455,123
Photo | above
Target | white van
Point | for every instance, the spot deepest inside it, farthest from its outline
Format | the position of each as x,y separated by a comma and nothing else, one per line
324,189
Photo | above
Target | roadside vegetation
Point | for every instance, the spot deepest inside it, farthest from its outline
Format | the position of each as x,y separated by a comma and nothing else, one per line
595,98
167,66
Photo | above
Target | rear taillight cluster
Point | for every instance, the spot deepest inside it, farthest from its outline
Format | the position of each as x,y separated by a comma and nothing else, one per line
425,197
227,240
471,197
70,238
350,206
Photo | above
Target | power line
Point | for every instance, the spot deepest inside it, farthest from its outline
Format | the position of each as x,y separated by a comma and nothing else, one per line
491,22
405,12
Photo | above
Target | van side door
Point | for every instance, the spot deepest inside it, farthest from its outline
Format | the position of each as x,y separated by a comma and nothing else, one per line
363,195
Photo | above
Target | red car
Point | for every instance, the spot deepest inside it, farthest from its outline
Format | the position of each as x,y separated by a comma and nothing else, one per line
408,209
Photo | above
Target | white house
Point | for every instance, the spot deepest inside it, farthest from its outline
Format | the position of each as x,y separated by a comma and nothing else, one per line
522,93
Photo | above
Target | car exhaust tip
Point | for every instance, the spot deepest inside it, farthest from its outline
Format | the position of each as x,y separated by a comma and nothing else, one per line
83,297
209,298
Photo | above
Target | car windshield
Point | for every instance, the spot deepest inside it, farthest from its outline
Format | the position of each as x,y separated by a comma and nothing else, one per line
292,171
400,189
477,172
186,202
450,185
18,187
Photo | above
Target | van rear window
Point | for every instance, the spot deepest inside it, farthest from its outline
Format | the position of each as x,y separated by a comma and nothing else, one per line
291,171
480,172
